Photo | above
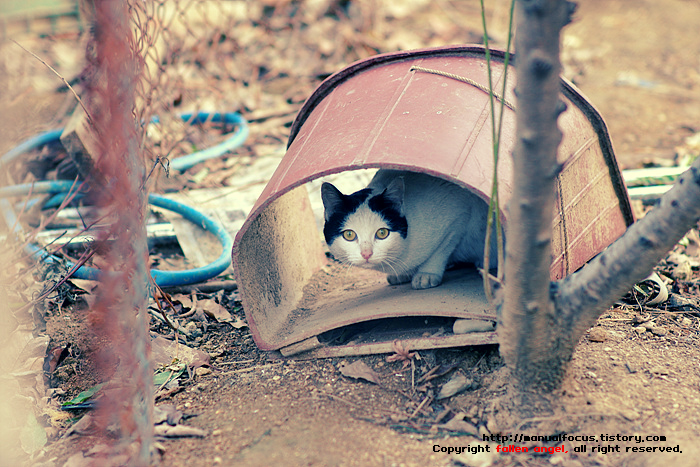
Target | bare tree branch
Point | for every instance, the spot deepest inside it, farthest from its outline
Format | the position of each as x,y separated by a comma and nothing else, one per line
581,297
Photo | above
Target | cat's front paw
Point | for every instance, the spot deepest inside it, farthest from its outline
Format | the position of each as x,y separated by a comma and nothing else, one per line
396,280
426,280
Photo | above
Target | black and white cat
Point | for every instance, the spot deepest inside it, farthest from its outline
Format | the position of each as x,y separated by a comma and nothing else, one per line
410,225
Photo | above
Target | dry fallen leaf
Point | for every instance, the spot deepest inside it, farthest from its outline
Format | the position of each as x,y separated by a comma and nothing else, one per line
239,323
457,424
402,354
359,370
165,352
84,426
214,310
55,357
166,413
184,300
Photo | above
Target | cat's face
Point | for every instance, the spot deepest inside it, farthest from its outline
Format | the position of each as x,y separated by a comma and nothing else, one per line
363,229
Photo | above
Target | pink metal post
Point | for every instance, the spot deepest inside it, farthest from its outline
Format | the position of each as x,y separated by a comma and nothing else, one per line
120,316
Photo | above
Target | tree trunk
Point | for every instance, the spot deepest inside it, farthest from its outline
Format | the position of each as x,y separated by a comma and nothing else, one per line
529,344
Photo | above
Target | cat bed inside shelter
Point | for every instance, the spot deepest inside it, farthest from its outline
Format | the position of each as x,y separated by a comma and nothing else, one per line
423,111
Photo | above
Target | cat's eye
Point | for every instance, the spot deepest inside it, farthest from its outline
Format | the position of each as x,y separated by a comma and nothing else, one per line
349,235
382,233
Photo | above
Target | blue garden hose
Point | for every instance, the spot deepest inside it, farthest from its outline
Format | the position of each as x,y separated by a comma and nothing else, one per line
193,276
33,143
236,139
162,278
182,163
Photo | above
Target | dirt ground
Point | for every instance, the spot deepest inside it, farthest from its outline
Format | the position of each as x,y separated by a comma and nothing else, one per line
636,375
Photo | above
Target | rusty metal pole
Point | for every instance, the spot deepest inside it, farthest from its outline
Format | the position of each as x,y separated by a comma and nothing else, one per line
120,316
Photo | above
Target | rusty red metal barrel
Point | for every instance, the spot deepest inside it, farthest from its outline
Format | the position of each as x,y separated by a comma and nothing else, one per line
428,111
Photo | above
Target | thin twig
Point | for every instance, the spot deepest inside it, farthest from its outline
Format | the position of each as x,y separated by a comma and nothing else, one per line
83,258
157,296
251,368
413,376
59,75
429,374
69,197
352,404
239,362
420,406
24,208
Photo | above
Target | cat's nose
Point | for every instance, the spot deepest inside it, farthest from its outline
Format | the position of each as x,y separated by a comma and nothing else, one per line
366,254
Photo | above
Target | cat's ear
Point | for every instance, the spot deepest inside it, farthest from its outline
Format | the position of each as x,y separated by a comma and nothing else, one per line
394,193
332,199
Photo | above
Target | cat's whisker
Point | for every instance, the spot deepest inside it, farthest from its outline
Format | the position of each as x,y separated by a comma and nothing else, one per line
398,266
387,262
348,268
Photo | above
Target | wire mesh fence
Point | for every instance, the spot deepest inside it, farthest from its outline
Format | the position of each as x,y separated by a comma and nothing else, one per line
262,59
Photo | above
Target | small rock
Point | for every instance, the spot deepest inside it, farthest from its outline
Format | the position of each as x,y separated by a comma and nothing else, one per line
597,334
456,384
166,413
491,425
483,431
682,272
630,414
648,325
640,329
478,457
202,371
54,392
636,319
659,331
193,330
686,322
557,459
